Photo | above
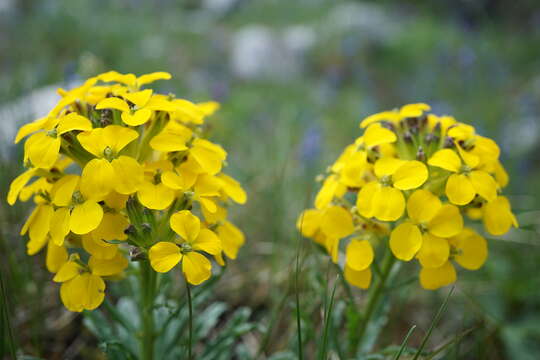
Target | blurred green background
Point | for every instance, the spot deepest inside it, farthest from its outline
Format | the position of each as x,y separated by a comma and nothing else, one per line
294,79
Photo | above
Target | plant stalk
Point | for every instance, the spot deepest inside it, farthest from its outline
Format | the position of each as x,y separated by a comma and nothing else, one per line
148,279
373,302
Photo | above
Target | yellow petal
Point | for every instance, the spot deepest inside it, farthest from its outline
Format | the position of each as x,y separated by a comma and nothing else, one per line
73,121
117,137
337,222
116,201
207,241
422,206
447,222
56,257
414,110
469,158
98,248
434,278
95,290
59,226
461,131
207,185
149,78
501,176
387,166
484,184
364,200
233,189
359,255
164,256
97,179
42,150
111,227
196,268
85,217
208,107
208,155
459,189
405,241
410,175
207,204
18,184
471,249
309,222
434,251
446,159
173,138
30,128
157,197
39,228
108,267
231,239
129,175
375,135
139,117
63,189
327,192
139,98
172,180
67,271
385,115
188,112
388,204
361,279
498,217
112,103
186,225
70,298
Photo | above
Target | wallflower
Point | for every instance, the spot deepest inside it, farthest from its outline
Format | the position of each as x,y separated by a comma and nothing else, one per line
109,168
434,167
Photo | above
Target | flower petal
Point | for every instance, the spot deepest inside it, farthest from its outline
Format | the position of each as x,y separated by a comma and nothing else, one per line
446,159
337,222
196,268
375,135
129,175
186,225
472,249
410,175
85,217
164,256
434,251
97,179
459,189
359,255
108,267
405,241
484,184
434,278
388,204
360,279
422,206
156,197
448,222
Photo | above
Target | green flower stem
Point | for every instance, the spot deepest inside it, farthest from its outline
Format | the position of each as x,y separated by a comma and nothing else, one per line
148,278
373,301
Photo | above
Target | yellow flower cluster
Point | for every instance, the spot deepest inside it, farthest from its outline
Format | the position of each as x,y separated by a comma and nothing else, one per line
114,169
411,178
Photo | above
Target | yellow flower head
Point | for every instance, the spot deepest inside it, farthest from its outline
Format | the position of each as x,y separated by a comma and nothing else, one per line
113,164
406,184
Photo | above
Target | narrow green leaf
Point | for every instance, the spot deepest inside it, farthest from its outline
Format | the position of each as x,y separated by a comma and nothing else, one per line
404,343
442,309
327,320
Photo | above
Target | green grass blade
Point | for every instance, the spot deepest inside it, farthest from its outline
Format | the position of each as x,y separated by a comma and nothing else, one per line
190,321
442,309
327,320
297,295
449,343
404,343
5,314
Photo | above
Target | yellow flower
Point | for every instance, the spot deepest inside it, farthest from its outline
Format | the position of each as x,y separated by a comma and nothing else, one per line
498,216
430,222
42,148
465,182
385,170
109,170
195,266
82,286
384,199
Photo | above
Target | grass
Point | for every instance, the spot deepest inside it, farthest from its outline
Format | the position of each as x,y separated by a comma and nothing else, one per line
280,133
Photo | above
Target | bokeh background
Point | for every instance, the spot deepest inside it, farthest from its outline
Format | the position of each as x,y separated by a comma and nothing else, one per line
294,79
